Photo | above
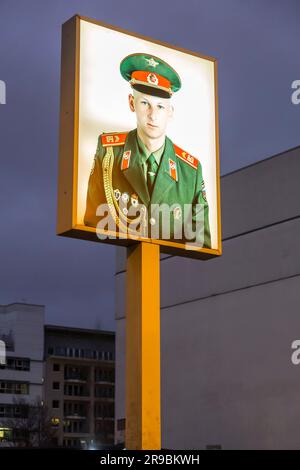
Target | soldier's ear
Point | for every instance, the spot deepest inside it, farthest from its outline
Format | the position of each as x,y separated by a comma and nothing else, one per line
171,111
131,102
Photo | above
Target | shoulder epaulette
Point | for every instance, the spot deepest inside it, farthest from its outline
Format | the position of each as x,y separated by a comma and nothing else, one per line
186,157
113,139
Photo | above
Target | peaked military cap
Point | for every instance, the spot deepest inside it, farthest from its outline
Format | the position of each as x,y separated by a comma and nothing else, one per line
150,74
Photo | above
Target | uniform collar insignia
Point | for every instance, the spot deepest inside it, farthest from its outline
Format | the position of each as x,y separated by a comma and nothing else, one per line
134,171
125,160
173,169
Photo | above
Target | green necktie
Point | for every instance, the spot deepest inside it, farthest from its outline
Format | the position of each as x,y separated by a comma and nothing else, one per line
151,172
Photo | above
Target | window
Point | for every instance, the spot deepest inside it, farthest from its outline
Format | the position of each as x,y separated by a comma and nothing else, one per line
17,363
60,351
88,353
10,386
22,364
56,367
56,385
6,434
70,352
55,404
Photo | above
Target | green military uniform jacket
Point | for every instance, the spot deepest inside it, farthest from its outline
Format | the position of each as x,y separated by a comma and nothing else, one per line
118,180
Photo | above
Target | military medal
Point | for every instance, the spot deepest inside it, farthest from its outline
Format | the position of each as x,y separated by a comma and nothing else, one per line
134,200
117,194
203,191
177,213
125,198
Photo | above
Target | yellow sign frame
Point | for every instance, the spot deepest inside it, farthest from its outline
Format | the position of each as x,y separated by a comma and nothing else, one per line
68,150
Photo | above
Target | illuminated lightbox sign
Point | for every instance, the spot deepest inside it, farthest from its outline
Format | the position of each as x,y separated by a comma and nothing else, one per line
138,142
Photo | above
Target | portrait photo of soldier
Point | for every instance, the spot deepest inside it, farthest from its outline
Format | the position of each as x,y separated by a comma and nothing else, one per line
141,182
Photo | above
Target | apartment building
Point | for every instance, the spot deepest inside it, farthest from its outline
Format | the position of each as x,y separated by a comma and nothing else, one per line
21,374
79,385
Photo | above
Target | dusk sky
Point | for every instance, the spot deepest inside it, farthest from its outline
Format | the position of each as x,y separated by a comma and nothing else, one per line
256,43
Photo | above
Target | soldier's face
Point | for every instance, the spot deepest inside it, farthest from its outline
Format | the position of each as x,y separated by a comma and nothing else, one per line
152,114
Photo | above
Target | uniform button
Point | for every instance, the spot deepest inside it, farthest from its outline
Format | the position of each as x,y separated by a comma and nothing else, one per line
152,221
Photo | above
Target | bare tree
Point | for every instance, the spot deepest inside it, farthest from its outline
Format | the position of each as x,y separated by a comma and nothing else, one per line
31,425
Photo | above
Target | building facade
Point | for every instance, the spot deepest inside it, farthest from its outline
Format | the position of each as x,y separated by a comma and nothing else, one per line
21,377
79,385
227,324
56,383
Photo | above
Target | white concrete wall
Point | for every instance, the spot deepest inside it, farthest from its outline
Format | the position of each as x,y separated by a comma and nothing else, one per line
227,324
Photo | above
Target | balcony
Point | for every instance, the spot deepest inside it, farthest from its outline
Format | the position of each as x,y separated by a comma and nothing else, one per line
104,418
77,397
105,399
104,382
84,434
74,416
76,391
74,379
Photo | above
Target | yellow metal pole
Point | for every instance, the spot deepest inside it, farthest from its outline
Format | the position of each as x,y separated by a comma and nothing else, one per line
143,427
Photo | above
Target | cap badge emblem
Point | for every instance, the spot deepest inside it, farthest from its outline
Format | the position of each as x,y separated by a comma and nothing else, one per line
152,78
